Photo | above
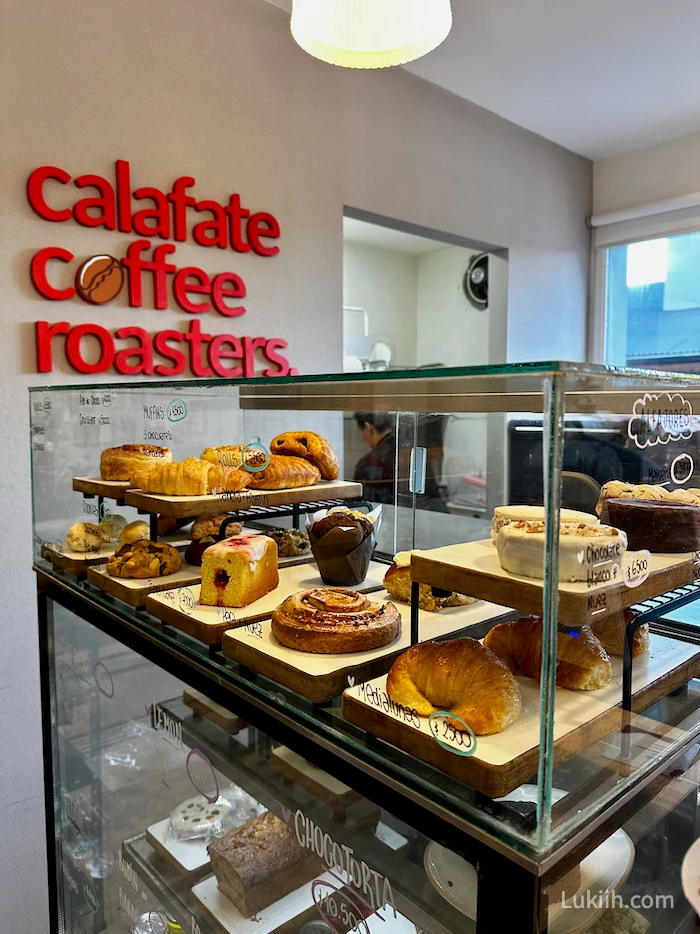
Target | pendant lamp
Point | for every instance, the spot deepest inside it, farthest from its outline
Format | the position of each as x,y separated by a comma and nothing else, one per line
370,33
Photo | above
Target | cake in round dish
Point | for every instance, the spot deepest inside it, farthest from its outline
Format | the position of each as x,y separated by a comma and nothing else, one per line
506,515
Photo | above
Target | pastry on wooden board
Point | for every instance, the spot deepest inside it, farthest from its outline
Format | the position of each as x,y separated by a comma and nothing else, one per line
462,677
332,621
134,531
582,662
311,447
291,543
112,527
121,462
85,537
397,581
610,630
238,571
210,526
144,559
283,473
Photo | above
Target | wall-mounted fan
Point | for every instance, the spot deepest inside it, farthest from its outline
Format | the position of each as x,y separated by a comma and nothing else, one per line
476,281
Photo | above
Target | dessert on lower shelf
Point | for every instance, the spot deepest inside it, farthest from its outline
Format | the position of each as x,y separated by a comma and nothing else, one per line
144,559
134,532
343,543
85,537
330,621
261,862
660,526
239,570
582,662
611,629
461,677
591,553
310,446
291,543
211,526
505,515
397,581
121,462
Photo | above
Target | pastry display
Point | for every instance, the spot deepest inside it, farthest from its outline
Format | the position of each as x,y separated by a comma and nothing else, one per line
143,559
582,662
397,581
120,463
291,543
333,621
239,570
85,537
619,489
283,473
505,515
209,526
662,526
112,527
611,629
195,550
591,553
461,677
343,543
261,862
134,531
200,819
311,447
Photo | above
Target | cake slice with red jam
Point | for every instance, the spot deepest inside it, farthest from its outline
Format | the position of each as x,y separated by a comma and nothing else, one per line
239,570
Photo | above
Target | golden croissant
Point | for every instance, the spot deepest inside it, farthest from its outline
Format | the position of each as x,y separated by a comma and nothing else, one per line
582,662
460,677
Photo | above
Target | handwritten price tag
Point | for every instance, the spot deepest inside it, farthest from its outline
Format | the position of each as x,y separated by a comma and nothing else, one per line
461,741
177,410
254,630
637,567
187,601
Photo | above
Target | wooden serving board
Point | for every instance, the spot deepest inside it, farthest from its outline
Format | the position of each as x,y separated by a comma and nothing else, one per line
214,712
135,592
320,784
473,568
323,677
189,857
75,562
506,760
181,506
93,486
181,608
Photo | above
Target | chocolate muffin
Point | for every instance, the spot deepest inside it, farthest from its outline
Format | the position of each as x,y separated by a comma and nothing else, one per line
342,545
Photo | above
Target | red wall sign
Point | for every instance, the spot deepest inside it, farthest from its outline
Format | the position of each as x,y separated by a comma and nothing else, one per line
101,278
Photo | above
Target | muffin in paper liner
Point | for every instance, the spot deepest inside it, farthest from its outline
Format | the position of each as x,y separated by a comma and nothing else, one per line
343,553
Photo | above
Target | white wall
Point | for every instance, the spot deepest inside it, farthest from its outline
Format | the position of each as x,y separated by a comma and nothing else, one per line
645,175
384,283
218,89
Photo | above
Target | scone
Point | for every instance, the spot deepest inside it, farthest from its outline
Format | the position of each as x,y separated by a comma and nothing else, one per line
85,537
144,559
134,531
209,525
112,527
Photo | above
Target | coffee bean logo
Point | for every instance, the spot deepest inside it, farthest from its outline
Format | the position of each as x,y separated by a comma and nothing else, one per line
99,280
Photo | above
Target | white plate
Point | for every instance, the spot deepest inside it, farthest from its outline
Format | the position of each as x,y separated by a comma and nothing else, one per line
604,870
690,875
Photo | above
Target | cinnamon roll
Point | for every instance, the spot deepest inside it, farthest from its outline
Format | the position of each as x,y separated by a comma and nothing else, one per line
332,621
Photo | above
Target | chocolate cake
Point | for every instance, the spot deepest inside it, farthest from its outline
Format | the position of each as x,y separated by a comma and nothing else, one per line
658,526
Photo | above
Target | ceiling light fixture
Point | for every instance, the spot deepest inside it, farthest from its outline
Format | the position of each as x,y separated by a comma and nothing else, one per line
370,33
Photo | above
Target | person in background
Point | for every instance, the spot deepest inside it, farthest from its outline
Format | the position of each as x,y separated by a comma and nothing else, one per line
377,472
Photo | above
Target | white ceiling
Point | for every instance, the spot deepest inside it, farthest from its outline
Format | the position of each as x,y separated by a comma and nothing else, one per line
598,77
357,231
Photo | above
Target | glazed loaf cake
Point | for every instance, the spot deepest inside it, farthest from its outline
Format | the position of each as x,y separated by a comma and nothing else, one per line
238,571
261,862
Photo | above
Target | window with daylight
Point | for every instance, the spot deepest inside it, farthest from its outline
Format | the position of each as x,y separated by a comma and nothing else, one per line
653,304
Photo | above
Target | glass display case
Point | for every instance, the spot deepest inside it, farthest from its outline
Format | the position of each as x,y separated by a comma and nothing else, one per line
523,719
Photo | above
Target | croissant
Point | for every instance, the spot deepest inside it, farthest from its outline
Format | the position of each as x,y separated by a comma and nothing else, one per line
611,632
182,478
582,662
312,447
461,677
227,480
284,473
